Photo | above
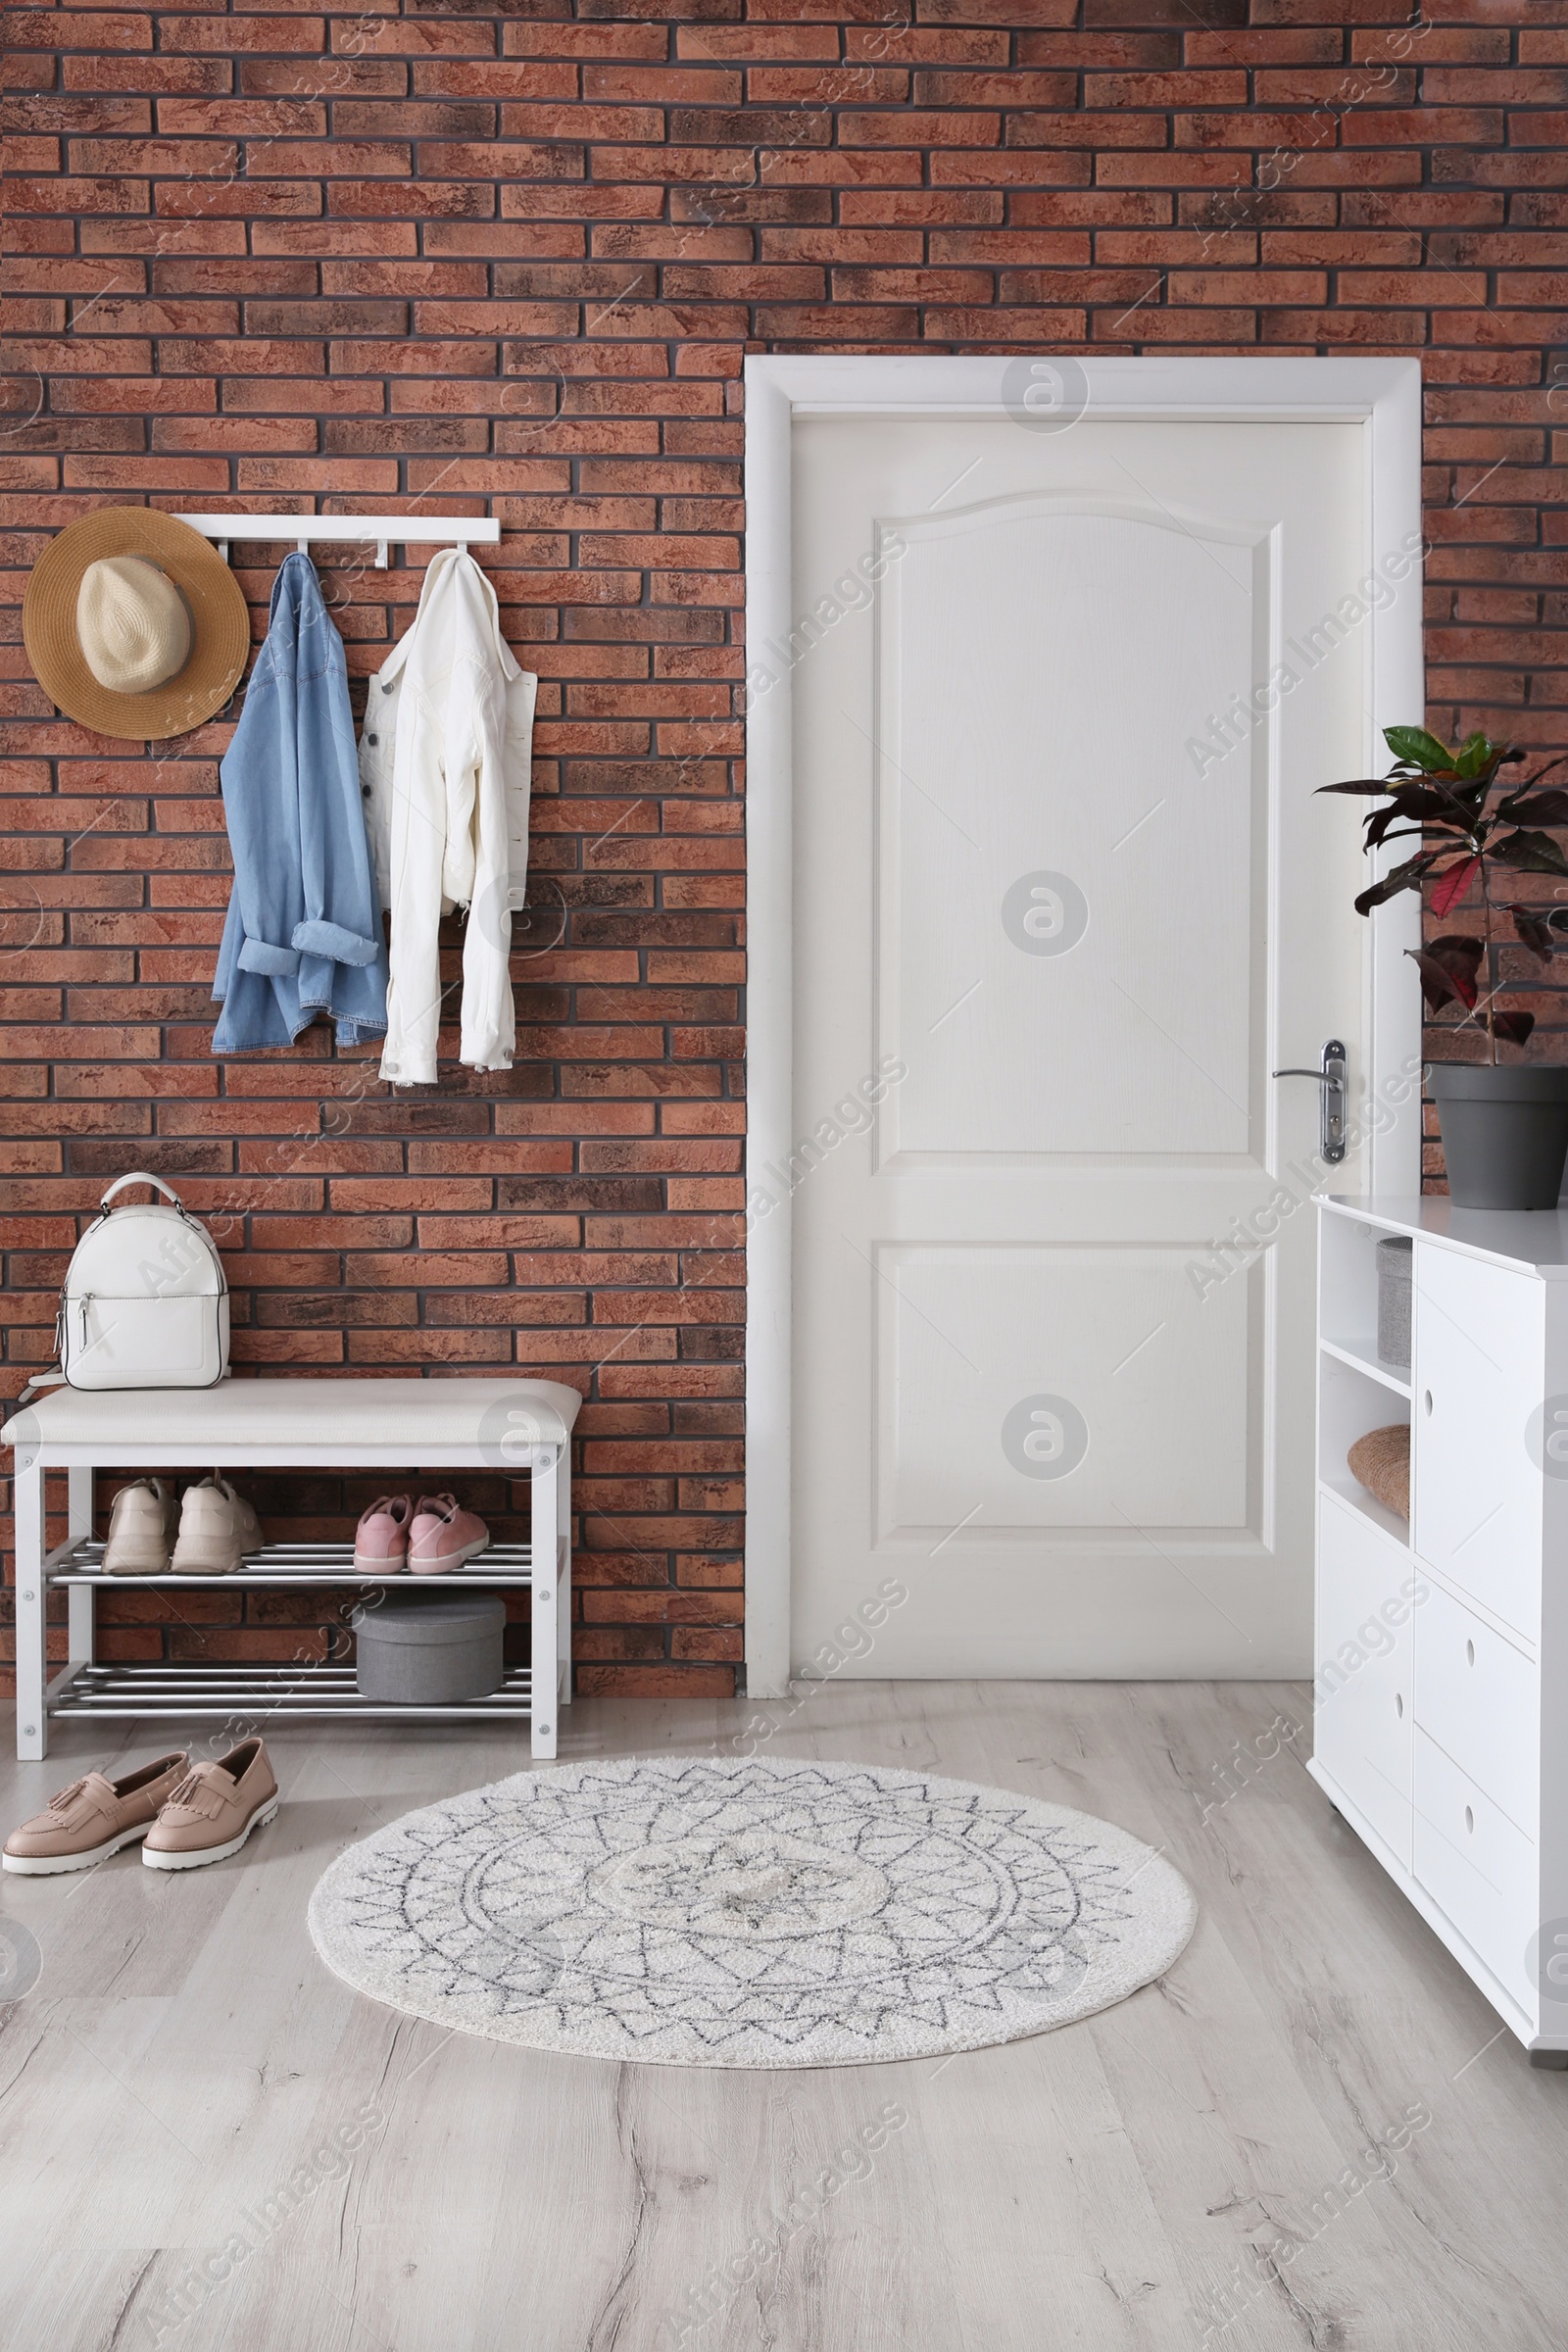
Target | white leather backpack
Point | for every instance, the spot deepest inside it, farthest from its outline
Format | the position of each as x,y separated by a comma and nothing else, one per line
145,1303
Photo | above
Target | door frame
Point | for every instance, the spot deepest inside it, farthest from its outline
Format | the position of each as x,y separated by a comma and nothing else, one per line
1383,397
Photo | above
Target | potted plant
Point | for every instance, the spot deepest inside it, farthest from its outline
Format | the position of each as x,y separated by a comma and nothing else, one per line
1505,1124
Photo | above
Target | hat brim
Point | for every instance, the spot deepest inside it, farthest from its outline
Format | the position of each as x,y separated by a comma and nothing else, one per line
220,625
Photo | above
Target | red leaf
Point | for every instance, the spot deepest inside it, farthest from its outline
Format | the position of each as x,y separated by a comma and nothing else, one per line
1452,885
1513,1027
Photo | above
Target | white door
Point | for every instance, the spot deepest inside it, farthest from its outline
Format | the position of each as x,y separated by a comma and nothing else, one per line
1064,899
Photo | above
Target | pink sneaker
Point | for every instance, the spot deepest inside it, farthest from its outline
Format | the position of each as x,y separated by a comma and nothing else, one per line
444,1536
382,1540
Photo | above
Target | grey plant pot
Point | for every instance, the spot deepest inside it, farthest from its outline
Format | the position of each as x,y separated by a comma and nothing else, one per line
1504,1133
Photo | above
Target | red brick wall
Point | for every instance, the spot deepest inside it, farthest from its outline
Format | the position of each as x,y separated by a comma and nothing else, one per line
510,259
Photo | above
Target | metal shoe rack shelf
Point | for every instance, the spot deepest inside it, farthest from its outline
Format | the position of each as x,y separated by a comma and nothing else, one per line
522,1428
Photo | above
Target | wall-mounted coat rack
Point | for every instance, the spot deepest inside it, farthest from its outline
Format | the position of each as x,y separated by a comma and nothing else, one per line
408,531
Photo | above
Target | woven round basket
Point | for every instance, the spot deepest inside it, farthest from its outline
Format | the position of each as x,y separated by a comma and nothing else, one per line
1380,1462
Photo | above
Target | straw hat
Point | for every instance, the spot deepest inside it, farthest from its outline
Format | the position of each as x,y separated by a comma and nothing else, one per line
134,624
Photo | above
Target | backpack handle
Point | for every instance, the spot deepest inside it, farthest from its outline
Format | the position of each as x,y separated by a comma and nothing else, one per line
157,1183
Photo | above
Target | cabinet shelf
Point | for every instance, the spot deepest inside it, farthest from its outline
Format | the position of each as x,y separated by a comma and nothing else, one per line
1362,1356
1355,1497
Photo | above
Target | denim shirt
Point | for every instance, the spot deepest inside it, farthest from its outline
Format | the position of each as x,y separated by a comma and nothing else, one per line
303,929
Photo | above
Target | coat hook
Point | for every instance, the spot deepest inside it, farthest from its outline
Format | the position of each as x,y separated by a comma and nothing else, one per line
381,555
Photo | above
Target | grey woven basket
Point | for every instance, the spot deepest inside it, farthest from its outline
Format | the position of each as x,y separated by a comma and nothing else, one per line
1394,1283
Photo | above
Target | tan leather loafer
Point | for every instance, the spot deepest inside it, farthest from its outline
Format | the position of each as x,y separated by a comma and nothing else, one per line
93,1819
213,1810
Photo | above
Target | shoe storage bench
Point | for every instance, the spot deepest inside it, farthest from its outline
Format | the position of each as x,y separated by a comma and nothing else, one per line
1442,1644
522,1428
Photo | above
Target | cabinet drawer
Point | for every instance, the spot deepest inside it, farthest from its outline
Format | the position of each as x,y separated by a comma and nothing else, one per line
1365,1718
1479,1698
1477,1867
1480,1363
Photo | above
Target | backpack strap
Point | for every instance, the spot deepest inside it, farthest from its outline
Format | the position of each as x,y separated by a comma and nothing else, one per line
157,1183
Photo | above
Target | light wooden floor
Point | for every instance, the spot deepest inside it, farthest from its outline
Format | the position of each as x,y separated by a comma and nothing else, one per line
185,2055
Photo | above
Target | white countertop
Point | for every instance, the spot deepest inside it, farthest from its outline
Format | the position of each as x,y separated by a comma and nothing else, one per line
1535,1239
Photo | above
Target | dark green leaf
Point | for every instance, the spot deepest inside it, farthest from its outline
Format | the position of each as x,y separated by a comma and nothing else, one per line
1529,854
1421,750
1533,925
1424,799
1403,877
1474,755
1446,840
1528,807
1449,968
1440,816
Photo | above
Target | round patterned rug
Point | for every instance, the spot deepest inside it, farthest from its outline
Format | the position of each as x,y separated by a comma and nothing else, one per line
717,1911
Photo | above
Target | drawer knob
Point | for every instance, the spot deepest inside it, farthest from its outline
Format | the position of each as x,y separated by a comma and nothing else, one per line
1427,1401
1398,1706
1469,1819
1469,1653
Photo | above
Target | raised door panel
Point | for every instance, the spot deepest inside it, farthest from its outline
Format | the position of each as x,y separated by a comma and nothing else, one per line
1037,830
1480,1358
1365,1718
1085,1392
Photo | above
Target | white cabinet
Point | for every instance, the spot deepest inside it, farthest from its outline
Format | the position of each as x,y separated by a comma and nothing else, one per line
1365,1645
1478,1497
1477,1865
1441,1638
1480,1702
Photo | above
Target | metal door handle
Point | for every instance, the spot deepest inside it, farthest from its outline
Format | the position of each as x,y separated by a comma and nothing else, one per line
1330,1079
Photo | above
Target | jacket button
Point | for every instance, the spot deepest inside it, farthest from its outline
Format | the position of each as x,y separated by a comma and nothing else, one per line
372,739
364,792
387,685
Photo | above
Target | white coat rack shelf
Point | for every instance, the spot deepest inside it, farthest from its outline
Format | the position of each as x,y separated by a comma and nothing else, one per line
379,530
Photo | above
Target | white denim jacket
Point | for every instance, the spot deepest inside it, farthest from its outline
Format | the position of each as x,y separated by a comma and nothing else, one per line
445,762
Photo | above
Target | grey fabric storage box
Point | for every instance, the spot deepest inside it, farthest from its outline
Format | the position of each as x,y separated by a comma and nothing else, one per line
431,1653
1394,1271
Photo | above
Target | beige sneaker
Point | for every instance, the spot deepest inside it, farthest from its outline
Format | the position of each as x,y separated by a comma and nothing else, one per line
93,1819
141,1529
213,1810
217,1529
